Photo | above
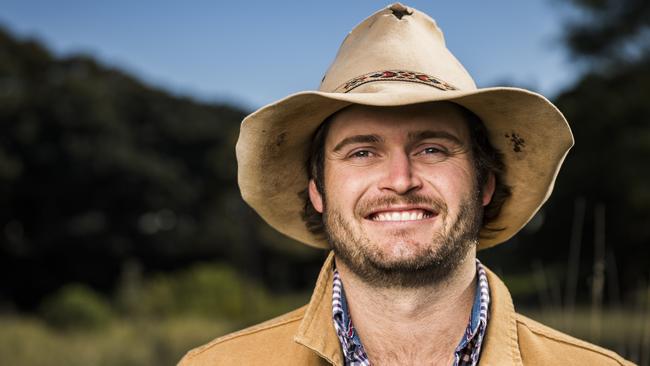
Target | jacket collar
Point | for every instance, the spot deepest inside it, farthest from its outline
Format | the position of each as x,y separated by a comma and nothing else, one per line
500,345
316,330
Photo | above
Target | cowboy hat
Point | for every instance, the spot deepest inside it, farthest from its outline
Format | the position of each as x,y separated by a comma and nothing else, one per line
397,57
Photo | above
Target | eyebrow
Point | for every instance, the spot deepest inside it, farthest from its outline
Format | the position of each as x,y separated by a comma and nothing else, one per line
357,139
429,134
412,137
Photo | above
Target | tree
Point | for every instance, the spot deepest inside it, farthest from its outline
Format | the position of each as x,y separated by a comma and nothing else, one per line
97,169
611,30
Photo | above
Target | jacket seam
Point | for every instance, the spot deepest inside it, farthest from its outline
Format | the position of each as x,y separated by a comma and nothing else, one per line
242,333
548,335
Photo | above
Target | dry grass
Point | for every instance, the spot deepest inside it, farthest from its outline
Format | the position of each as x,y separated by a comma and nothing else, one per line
624,331
25,341
30,342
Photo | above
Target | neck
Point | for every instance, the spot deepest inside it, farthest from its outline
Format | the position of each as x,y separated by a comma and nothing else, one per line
412,325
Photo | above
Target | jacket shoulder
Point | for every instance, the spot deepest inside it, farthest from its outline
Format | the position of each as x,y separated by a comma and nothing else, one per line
540,344
267,343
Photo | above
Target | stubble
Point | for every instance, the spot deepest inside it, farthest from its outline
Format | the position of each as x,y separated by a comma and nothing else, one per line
437,259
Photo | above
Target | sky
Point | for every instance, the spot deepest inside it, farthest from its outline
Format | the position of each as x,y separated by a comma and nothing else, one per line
252,53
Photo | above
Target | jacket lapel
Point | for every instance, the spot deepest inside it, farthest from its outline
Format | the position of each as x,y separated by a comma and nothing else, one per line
501,345
316,330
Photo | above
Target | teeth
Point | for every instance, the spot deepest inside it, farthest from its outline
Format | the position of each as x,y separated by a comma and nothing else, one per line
401,216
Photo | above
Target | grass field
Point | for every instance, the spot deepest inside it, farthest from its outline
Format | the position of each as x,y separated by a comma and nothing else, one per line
155,320
25,341
624,331
31,342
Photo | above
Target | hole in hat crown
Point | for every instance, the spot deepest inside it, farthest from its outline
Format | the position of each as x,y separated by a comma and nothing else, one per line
400,10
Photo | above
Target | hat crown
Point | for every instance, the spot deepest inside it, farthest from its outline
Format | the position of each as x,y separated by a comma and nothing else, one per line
395,39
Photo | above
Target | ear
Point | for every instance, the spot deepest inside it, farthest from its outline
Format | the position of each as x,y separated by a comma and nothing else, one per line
488,189
315,197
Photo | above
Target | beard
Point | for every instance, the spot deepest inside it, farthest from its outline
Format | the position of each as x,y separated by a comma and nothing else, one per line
433,262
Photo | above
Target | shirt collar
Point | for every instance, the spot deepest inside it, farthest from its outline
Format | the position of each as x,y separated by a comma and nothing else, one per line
470,343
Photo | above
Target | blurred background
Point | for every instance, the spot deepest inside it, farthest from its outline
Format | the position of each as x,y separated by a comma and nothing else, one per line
123,237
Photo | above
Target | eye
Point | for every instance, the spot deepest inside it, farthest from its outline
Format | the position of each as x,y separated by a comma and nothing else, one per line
431,150
361,154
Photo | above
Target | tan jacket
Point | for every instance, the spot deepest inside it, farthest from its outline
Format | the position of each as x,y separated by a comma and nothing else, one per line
306,336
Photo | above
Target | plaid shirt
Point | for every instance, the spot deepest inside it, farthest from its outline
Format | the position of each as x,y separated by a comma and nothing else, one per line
467,352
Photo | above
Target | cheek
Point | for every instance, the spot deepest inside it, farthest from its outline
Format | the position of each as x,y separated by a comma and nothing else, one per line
346,186
453,180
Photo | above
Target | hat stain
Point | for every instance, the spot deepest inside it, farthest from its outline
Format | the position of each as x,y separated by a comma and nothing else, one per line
518,143
280,139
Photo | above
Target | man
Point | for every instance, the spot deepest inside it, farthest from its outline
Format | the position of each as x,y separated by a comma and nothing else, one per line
404,169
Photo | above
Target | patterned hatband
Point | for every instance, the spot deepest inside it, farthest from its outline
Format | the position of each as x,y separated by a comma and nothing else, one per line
394,75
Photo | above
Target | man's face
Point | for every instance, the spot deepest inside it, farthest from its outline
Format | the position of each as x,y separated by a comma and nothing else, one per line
401,204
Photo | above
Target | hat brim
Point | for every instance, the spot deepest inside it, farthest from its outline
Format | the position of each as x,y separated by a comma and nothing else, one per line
530,132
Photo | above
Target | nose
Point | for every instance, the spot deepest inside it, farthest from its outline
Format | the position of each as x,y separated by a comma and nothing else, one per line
399,175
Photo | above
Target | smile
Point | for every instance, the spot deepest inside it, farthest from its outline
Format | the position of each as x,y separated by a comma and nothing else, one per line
402,215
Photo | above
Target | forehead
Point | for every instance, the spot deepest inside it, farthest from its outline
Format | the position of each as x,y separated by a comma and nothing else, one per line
398,121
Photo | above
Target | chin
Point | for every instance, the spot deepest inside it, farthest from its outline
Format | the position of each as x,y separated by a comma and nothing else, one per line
403,251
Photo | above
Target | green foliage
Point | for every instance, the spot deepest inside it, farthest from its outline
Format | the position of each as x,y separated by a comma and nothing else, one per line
153,321
97,169
216,290
76,307
29,342
206,290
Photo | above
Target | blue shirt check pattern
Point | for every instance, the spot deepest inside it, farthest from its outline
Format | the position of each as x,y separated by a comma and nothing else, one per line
467,352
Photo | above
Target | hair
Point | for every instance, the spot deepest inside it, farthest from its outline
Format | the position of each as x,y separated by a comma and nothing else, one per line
487,159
